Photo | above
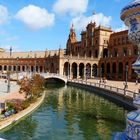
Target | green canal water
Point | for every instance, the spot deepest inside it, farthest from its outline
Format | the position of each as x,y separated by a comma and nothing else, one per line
69,113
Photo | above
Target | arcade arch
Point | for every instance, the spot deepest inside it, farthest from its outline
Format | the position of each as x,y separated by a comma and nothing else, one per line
94,70
74,70
88,70
81,70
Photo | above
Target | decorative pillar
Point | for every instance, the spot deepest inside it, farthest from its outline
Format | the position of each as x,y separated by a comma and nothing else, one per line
77,71
98,74
117,71
91,69
71,72
85,72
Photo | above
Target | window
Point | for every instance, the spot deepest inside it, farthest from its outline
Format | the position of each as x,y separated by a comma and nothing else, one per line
123,42
119,41
127,39
115,52
105,41
135,51
125,51
96,53
96,42
114,42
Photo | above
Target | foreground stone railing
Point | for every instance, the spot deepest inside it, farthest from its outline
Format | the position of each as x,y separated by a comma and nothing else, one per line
120,91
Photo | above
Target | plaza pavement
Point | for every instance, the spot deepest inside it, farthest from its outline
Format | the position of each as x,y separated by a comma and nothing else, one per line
14,91
3,87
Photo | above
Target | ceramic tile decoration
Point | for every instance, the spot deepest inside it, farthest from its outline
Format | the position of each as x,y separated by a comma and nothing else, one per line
130,14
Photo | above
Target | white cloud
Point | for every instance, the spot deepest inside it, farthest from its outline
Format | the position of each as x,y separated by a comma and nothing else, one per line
123,27
71,7
3,14
35,17
81,22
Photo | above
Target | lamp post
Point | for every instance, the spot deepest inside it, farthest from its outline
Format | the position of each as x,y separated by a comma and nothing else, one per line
8,73
27,65
68,68
126,76
17,67
100,73
35,64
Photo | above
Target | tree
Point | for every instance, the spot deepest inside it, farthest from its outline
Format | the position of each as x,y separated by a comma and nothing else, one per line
33,86
37,85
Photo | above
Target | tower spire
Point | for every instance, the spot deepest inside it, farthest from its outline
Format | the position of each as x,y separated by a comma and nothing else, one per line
72,35
72,28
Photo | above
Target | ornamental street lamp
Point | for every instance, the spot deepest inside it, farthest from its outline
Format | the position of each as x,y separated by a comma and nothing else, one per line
68,68
17,67
100,74
35,64
27,66
8,73
126,76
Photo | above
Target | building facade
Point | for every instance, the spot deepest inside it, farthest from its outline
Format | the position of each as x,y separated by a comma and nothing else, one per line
38,61
83,56
121,54
100,53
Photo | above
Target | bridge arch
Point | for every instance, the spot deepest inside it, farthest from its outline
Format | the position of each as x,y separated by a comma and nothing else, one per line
54,76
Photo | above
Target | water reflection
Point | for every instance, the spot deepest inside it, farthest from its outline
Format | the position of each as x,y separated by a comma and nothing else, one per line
69,113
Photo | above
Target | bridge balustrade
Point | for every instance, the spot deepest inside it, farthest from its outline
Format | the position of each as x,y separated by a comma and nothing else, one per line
119,91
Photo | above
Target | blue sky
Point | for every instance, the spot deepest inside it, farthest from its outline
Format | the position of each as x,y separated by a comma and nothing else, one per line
29,25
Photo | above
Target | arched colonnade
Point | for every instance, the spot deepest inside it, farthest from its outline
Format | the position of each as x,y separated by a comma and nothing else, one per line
80,70
22,68
117,70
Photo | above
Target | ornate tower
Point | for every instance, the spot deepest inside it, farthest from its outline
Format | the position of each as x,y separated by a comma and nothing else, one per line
72,35
71,39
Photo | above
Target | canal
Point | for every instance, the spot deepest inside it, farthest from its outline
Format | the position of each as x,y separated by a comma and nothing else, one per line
69,113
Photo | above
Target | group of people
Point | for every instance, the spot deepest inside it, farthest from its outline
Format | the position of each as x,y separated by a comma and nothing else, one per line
103,80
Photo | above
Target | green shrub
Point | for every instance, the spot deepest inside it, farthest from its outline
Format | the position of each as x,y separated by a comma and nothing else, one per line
10,105
25,104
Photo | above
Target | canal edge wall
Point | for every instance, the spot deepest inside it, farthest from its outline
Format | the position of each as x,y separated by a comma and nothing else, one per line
13,119
110,95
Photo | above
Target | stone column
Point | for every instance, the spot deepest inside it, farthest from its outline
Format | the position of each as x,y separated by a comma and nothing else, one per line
85,72
71,72
117,71
43,69
98,72
38,69
11,67
91,71
78,71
